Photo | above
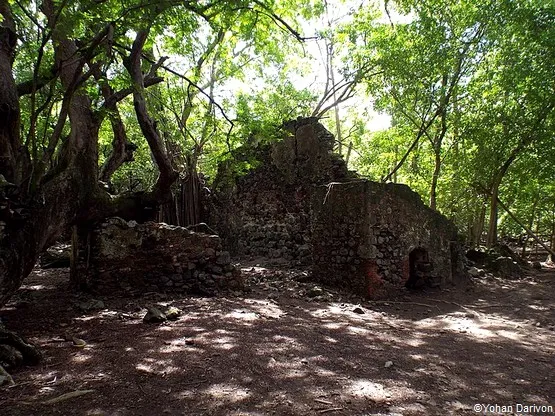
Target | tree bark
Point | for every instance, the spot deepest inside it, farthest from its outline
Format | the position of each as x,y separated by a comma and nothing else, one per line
493,215
148,126
69,193
435,178
10,143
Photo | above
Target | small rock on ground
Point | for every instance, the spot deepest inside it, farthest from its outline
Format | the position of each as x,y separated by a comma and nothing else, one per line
154,316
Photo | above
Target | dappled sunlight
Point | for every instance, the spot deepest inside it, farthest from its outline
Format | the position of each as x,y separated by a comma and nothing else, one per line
86,318
95,412
81,358
164,328
47,377
223,343
334,325
187,394
287,368
331,340
346,311
368,389
237,356
417,340
38,287
284,339
176,347
358,330
220,339
227,392
455,324
156,366
509,334
242,315
265,309
539,307
494,327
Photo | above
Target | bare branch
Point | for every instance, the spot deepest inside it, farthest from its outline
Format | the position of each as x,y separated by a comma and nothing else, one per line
191,83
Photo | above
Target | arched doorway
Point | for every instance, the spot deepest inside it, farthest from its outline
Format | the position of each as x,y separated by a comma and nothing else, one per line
420,269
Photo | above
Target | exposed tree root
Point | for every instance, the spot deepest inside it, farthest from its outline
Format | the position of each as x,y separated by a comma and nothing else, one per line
5,375
15,351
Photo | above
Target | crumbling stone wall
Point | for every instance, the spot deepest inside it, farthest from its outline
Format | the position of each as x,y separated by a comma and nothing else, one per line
303,205
377,238
125,256
266,213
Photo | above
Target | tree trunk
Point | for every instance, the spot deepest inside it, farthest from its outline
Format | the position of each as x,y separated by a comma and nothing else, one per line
9,99
476,227
493,215
551,258
528,230
435,178
68,194
530,225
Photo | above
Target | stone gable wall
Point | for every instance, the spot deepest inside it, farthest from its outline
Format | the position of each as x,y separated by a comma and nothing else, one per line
266,213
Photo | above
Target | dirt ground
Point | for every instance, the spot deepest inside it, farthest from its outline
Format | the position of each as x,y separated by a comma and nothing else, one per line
287,347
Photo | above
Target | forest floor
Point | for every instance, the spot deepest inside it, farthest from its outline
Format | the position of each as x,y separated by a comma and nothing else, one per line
287,347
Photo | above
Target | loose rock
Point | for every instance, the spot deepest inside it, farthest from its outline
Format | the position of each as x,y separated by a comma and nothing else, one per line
91,305
154,316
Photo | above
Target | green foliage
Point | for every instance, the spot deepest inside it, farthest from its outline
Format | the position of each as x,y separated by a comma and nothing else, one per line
474,79
468,85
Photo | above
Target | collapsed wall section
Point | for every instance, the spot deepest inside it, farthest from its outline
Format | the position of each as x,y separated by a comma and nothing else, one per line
376,238
125,256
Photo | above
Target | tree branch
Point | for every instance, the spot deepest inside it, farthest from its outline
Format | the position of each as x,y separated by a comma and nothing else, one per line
191,83
148,126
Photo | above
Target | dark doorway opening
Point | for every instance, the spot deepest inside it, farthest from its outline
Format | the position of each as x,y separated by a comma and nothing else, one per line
420,269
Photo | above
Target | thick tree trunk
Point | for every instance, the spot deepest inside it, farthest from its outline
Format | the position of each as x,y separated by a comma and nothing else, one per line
41,224
64,192
148,127
69,193
9,100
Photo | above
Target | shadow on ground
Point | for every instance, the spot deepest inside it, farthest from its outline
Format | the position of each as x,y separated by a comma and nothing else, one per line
274,351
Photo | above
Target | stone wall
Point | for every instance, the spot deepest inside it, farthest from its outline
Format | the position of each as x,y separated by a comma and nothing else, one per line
303,205
125,256
266,213
377,238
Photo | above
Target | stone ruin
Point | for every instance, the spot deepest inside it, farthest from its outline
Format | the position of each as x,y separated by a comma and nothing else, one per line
302,205
376,238
120,255
266,213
